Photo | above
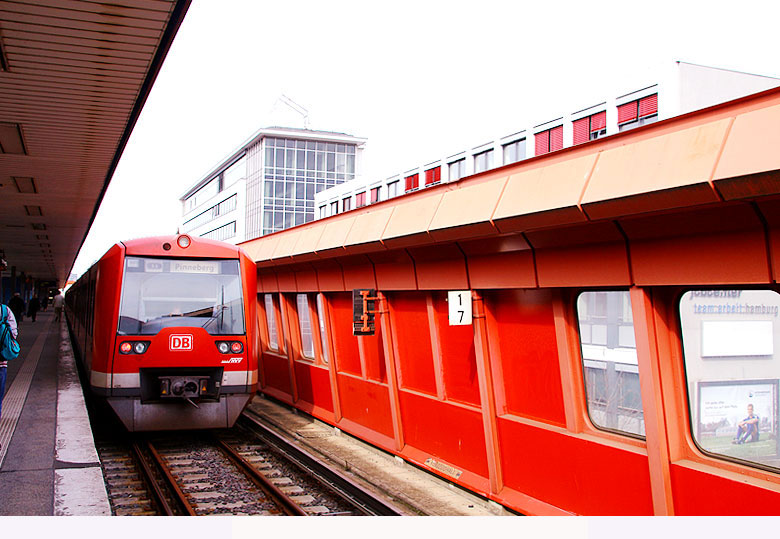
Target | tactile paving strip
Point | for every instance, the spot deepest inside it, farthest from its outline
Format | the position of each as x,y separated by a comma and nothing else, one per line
14,398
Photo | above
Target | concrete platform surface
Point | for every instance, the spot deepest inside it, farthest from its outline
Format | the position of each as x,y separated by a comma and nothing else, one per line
48,462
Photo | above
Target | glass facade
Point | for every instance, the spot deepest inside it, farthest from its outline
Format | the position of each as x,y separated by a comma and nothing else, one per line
294,171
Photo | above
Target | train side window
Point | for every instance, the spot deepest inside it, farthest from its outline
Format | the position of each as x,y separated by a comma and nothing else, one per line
304,323
609,361
323,333
270,317
732,367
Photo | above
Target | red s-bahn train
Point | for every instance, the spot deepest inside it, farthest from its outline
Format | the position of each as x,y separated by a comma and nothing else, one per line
164,328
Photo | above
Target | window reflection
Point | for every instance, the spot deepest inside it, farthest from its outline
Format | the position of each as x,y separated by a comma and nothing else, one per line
730,340
610,362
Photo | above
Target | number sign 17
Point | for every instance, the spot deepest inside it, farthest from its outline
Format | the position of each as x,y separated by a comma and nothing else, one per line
460,307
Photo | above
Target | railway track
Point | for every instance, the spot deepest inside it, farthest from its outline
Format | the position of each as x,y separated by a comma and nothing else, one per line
241,471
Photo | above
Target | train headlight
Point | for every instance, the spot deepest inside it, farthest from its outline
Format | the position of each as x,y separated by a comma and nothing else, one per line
140,347
223,347
236,347
125,347
183,241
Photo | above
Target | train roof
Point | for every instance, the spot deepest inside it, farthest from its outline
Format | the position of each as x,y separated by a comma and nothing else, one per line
197,247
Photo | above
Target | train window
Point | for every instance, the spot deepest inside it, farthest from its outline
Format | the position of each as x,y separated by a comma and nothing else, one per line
270,318
323,332
304,323
159,293
733,372
609,361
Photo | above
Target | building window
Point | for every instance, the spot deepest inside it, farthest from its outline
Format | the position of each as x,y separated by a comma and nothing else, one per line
323,332
323,211
609,361
590,128
304,323
514,151
432,176
457,169
412,182
549,140
733,372
270,318
392,189
346,204
483,161
360,199
640,112
375,194
222,233
218,210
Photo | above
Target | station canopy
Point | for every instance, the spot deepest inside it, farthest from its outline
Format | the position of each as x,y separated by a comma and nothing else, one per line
74,76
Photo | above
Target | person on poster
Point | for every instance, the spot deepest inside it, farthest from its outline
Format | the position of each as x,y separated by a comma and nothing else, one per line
747,429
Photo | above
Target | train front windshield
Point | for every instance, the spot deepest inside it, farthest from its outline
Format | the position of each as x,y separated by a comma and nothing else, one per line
159,293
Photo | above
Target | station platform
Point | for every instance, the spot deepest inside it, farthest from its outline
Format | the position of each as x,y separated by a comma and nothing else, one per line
48,462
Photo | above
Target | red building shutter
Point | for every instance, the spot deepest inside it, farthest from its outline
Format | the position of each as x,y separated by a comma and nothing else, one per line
556,138
648,105
598,121
432,175
374,195
360,199
542,142
412,182
627,112
581,130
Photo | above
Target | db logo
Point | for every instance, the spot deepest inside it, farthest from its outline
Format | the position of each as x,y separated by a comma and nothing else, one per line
181,342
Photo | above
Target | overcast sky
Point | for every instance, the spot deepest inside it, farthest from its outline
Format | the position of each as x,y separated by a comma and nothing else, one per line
418,79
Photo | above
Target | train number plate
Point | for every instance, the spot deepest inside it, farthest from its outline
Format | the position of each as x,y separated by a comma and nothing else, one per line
181,342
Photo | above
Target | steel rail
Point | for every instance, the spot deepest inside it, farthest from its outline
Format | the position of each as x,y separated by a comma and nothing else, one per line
351,492
170,481
287,506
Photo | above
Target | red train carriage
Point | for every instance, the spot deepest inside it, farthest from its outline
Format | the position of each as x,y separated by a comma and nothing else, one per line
165,330
623,355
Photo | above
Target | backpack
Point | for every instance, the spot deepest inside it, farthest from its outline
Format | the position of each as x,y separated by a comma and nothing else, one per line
9,347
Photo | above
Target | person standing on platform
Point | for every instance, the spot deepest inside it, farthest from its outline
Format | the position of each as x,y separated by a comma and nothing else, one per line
16,304
33,306
58,301
11,321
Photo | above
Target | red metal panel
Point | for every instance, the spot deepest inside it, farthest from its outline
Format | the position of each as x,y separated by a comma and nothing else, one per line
648,105
556,138
277,372
523,327
458,356
358,272
413,341
712,246
598,121
771,212
267,282
394,270
441,268
597,250
574,474
627,112
581,130
313,385
286,280
542,142
329,276
372,350
445,431
432,175
698,492
345,344
366,403
306,279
